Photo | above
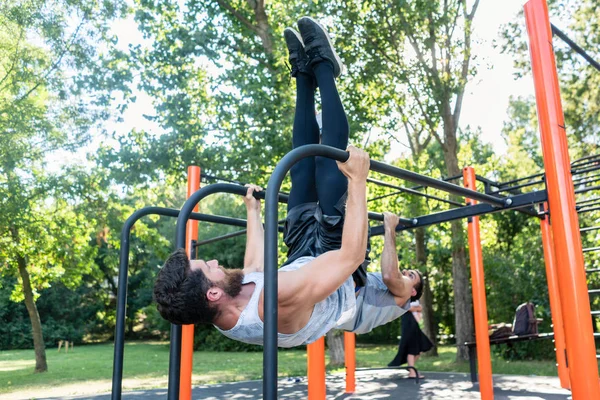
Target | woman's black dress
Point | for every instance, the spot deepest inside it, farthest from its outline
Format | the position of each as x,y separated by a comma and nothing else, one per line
413,341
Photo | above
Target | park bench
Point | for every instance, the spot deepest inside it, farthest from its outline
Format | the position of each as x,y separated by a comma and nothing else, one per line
472,346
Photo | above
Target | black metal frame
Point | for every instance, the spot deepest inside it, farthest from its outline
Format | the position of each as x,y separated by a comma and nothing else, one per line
575,47
273,197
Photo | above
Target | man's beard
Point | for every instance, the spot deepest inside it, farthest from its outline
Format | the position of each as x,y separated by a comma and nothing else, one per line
232,283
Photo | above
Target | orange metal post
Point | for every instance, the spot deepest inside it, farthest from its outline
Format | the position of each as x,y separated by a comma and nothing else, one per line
581,351
350,361
484,360
315,353
187,331
553,294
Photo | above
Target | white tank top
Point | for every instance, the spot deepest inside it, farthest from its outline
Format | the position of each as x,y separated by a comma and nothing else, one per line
336,309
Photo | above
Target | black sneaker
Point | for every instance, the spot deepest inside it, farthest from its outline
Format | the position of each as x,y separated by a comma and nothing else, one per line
297,57
317,44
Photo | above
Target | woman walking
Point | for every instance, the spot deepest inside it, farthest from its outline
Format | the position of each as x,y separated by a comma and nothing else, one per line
413,341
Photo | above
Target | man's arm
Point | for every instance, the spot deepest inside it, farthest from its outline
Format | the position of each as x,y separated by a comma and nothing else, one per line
397,284
255,236
315,281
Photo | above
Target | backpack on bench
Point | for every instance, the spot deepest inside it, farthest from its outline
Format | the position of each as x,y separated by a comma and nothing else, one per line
525,322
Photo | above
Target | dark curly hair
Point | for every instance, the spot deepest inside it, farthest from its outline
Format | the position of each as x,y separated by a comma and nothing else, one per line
418,287
180,292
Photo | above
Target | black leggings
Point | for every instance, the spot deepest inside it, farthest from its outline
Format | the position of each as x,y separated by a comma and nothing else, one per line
318,180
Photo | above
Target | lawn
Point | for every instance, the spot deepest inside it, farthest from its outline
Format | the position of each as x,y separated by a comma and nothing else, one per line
89,368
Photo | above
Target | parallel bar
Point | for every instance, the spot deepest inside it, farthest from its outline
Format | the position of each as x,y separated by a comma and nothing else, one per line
595,312
581,349
411,191
589,228
589,249
586,179
519,201
520,186
585,159
502,184
585,170
434,183
589,271
586,210
592,200
575,47
593,291
447,179
484,358
587,189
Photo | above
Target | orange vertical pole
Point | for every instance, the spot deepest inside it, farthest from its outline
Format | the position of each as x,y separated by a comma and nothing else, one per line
315,353
484,359
554,296
581,350
187,331
350,361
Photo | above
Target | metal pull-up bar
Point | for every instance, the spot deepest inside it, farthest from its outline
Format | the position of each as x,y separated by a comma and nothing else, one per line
271,238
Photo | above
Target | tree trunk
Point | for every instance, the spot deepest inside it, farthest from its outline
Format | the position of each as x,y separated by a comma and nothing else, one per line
429,325
335,344
34,316
463,303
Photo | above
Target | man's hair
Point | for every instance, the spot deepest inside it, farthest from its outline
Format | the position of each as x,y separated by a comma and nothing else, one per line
180,292
418,287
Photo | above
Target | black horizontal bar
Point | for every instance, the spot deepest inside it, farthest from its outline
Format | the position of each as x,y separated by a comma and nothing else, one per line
446,179
383,196
586,160
589,228
587,189
412,191
593,199
434,183
590,249
519,201
590,179
485,180
586,210
585,170
575,47
523,185
502,184
219,238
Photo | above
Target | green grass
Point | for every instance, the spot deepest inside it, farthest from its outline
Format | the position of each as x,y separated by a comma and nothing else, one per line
146,365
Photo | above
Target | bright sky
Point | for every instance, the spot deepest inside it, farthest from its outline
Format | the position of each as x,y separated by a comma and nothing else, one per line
485,102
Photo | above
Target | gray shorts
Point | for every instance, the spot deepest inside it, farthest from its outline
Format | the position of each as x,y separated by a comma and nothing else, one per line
375,306
309,233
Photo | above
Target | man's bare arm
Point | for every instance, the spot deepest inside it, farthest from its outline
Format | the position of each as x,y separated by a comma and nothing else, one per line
398,284
254,256
317,280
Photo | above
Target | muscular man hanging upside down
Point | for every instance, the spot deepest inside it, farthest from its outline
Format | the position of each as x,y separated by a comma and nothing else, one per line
326,232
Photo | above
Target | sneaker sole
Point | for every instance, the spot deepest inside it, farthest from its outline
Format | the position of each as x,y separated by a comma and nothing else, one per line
337,58
296,33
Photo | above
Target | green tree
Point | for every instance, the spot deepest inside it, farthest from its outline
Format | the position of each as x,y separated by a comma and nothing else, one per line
42,111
